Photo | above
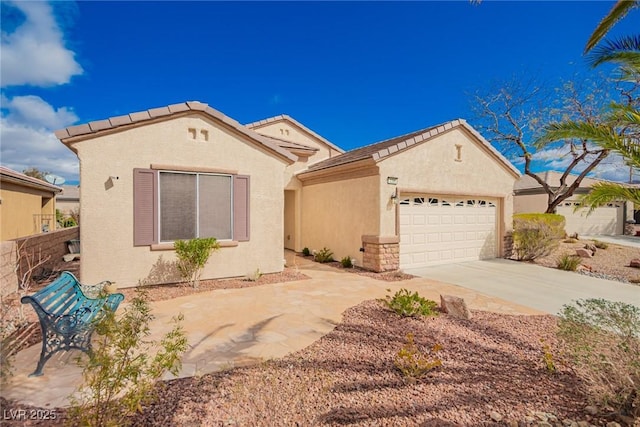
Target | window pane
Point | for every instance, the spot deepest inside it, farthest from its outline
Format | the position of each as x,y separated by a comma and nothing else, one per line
215,206
177,206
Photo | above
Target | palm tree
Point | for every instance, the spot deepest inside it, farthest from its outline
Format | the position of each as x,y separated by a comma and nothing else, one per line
619,11
619,129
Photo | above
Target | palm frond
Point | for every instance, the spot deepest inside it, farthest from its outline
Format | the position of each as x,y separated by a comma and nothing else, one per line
624,51
607,192
625,113
601,134
619,11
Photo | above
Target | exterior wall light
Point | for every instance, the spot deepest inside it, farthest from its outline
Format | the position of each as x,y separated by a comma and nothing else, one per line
392,180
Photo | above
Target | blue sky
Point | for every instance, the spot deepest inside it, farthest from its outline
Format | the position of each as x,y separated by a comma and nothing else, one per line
354,72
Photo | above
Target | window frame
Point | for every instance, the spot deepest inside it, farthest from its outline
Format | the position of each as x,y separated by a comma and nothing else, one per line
197,202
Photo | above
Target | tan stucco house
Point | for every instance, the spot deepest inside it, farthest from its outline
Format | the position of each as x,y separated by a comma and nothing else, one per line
441,194
27,205
68,201
529,196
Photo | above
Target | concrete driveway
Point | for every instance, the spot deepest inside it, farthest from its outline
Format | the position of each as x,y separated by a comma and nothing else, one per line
631,241
542,288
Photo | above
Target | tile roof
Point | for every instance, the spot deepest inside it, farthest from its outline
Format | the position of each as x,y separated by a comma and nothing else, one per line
289,144
284,117
69,192
141,116
552,178
17,177
380,150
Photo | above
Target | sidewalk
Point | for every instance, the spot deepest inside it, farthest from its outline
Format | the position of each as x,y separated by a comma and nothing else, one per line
234,327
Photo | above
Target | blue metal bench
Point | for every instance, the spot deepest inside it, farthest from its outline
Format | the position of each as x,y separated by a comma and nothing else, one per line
67,315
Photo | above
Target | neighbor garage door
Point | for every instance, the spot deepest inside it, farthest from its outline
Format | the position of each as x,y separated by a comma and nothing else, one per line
607,220
439,230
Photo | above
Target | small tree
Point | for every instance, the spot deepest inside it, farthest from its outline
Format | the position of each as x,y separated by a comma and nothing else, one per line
193,256
123,368
513,114
27,261
35,173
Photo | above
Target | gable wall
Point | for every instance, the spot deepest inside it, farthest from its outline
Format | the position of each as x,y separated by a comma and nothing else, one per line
107,205
432,167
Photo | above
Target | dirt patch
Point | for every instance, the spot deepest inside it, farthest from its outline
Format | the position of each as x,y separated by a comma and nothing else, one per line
169,291
611,263
492,367
387,276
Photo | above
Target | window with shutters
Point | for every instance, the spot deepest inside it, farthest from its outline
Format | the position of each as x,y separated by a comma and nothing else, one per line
195,205
172,205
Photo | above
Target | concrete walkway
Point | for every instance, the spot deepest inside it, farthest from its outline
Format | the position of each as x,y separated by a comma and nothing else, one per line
235,327
631,241
542,288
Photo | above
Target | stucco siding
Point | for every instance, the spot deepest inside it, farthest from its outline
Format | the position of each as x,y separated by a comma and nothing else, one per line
107,203
18,207
530,203
337,214
434,167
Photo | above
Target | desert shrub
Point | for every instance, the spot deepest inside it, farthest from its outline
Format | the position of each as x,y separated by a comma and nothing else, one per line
254,276
306,251
547,357
414,363
193,255
600,245
124,368
569,262
323,255
409,304
346,262
536,235
603,341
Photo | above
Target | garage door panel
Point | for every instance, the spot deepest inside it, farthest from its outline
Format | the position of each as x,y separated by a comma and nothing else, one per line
449,230
606,220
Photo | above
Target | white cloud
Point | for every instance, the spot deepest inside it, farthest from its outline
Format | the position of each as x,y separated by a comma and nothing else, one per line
558,158
26,132
34,54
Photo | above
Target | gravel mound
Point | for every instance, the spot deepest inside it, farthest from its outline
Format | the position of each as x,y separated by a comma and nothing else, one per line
492,369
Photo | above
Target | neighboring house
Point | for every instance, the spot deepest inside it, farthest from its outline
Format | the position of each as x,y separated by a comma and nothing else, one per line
438,195
27,205
606,220
68,201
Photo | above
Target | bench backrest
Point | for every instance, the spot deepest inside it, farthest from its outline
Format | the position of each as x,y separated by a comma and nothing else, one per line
64,295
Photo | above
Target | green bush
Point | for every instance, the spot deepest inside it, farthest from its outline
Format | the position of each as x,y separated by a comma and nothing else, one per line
603,341
536,235
323,255
409,304
414,363
306,251
600,245
555,222
569,262
124,368
346,262
193,255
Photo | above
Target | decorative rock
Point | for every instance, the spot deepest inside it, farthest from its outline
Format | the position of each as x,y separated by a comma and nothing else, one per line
455,306
494,415
544,424
584,253
529,419
513,423
613,424
583,424
635,263
542,416
568,422
591,247
591,410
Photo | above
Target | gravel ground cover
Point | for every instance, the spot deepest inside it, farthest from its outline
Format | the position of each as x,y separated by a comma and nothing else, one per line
611,263
492,373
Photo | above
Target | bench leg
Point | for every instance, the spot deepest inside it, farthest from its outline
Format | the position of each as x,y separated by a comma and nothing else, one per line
53,343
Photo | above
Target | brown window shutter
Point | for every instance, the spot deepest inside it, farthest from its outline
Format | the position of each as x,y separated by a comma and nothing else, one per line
241,208
145,207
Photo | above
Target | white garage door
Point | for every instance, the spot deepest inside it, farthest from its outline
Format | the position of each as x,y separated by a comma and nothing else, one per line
436,230
607,220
